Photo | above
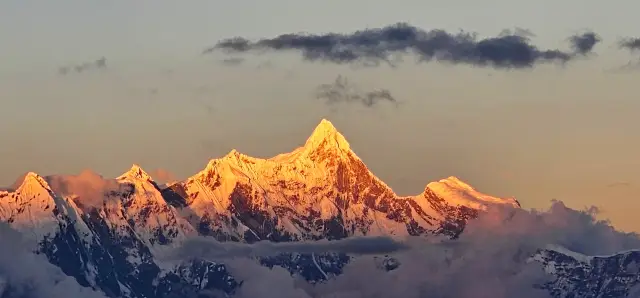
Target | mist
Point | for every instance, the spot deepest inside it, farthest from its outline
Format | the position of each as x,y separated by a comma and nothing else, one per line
27,275
491,259
89,188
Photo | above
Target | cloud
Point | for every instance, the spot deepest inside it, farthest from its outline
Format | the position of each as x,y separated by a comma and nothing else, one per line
583,44
342,91
24,274
90,188
232,61
619,184
211,249
491,259
85,66
631,44
163,176
517,31
373,46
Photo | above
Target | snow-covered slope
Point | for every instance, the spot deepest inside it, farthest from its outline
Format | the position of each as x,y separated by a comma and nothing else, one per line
109,247
30,207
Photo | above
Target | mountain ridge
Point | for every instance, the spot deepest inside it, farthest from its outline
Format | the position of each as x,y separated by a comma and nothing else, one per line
322,180
106,232
303,192
325,133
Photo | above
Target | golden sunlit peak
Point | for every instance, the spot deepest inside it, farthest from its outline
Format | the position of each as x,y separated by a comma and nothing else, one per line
326,125
31,175
325,131
135,172
454,179
233,152
32,178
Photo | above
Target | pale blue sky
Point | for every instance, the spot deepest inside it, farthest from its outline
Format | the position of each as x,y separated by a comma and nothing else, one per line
548,133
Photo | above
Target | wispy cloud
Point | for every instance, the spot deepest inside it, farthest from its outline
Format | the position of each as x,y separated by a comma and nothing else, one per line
232,61
511,49
208,248
343,91
631,44
83,67
89,188
619,184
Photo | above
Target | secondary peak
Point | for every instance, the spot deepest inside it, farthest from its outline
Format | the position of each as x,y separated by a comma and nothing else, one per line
136,172
31,179
232,153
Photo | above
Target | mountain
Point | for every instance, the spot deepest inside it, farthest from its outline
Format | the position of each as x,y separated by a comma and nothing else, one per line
321,190
109,247
106,233
578,275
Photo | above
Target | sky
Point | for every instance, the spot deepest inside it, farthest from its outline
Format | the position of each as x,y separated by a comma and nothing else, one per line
545,133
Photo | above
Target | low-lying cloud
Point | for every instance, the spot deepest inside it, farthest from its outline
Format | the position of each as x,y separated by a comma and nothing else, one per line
343,91
27,275
491,259
511,49
210,249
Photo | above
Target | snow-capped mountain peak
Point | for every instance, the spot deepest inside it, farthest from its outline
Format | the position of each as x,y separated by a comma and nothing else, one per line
136,172
321,190
32,207
460,193
33,181
326,137
301,193
233,153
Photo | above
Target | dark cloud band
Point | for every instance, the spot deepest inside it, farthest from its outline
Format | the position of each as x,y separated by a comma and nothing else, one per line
631,44
508,50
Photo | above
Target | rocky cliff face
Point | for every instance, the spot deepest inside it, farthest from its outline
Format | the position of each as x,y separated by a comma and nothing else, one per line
109,247
577,275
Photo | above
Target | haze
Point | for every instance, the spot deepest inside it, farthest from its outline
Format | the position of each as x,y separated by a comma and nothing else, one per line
551,132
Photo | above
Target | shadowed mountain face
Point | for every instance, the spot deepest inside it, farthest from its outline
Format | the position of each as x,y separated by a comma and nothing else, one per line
591,276
321,190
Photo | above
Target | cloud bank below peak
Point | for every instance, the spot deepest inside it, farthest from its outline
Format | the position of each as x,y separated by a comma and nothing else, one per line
509,50
492,258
